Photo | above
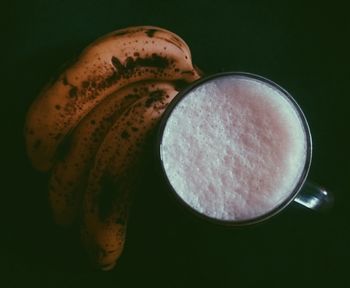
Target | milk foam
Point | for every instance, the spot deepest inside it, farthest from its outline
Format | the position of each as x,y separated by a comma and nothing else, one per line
234,148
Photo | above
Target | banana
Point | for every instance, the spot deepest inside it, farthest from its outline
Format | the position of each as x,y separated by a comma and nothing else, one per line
111,62
107,195
105,234
69,173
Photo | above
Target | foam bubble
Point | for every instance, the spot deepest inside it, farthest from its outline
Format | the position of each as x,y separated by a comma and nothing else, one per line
234,148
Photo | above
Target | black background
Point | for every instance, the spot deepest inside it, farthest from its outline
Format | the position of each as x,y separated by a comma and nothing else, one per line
301,46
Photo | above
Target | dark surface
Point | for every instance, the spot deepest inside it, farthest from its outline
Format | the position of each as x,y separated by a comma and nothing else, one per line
302,47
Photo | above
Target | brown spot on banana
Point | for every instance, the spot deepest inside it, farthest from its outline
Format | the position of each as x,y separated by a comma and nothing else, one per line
150,32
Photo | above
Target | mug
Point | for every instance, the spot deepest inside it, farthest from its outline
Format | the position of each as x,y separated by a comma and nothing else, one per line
235,149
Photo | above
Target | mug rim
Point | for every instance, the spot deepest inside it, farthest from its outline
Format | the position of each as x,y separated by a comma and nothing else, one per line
245,222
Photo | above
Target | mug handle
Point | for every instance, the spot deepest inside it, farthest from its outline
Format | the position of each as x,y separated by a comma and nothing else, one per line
315,197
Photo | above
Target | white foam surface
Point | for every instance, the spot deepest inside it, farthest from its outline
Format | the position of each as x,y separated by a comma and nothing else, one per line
234,148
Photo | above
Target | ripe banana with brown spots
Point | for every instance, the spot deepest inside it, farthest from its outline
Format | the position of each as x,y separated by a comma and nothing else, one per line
69,173
111,62
110,183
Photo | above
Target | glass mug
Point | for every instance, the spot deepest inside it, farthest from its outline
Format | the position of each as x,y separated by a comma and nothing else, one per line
235,149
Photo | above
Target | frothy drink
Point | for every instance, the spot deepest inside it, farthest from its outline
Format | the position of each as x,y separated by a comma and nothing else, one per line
234,148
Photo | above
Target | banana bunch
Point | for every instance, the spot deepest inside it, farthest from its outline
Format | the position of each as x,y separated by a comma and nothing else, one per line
89,127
